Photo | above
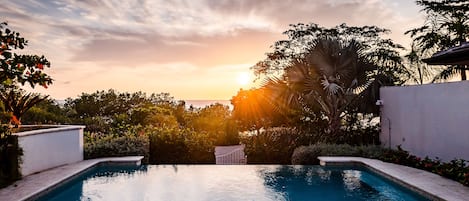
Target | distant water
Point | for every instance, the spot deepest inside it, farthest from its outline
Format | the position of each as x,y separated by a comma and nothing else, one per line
194,103
204,103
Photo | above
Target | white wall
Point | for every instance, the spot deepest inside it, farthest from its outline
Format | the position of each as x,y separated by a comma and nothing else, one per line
47,148
427,120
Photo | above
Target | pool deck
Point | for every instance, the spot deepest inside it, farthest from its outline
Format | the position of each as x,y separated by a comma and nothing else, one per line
428,184
30,186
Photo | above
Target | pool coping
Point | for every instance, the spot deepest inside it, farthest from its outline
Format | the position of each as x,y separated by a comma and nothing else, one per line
432,186
32,186
425,183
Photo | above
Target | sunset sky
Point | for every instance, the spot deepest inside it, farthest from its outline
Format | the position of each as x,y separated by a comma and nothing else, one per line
194,49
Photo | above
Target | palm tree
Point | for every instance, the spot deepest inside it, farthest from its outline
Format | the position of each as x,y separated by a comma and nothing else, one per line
447,25
331,77
17,102
420,72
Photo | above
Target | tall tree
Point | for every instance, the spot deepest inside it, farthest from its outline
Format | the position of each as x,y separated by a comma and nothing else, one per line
48,111
20,68
375,48
254,109
420,71
332,76
301,36
446,25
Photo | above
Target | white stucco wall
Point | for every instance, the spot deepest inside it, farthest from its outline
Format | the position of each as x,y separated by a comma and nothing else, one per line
427,120
47,148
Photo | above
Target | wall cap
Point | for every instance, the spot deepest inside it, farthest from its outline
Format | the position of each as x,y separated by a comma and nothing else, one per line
52,128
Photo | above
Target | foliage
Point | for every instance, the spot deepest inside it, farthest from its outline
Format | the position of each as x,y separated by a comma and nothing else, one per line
272,146
133,142
456,169
420,72
231,134
17,101
254,109
322,75
102,110
20,68
360,130
308,155
10,157
15,68
330,80
47,111
301,37
175,134
174,145
120,124
215,120
330,76
446,25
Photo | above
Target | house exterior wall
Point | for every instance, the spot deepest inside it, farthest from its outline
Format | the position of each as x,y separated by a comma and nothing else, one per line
427,120
47,148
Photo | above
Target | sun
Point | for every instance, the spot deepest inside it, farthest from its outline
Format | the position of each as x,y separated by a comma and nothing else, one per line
244,78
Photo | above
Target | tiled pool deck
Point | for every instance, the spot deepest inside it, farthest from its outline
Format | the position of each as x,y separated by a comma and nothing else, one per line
439,188
31,185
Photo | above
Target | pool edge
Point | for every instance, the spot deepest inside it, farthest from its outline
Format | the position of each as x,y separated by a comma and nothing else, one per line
33,186
427,184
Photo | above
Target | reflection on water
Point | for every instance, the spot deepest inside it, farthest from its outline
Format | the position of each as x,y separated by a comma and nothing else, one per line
321,183
235,182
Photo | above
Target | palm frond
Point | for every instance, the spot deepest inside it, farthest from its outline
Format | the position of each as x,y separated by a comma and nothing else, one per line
17,102
447,74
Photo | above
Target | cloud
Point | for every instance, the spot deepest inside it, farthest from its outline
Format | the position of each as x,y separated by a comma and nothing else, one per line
202,41
244,46
85,24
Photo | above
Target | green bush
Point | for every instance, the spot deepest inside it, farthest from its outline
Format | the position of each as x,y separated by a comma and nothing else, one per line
456,169
131,143
159,145
273,146
176,146
308,155
359,136
10,157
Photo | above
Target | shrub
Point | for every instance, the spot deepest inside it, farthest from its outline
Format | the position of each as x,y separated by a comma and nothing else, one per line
359,136
131,143
308,155
456,169
10,157
399,156
273,146
175,145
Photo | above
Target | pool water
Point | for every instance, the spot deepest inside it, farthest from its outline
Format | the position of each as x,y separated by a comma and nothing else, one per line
243,182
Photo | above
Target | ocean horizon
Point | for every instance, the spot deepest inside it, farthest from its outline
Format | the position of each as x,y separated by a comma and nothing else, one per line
194,103
204,103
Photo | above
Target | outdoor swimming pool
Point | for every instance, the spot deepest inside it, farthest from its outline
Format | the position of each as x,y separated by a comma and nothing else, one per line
243,182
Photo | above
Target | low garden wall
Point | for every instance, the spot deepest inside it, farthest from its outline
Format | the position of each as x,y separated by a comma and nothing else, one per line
427,120
50,147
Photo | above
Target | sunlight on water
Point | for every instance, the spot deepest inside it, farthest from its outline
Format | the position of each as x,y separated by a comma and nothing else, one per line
224,183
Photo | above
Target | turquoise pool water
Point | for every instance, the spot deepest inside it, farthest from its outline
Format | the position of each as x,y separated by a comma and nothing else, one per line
244,182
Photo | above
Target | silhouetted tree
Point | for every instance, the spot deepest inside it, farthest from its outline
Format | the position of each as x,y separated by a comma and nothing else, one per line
20,68
446,25
301,37
17,101
331,76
